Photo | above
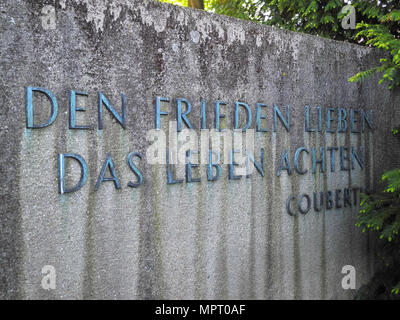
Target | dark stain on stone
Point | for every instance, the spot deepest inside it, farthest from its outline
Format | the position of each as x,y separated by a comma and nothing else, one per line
90,247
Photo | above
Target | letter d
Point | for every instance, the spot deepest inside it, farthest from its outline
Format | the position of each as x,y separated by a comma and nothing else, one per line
61,172
29,107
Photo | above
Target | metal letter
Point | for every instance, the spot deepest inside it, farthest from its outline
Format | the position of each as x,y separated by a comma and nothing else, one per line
120,119
73,108
158,112
285,122
61,172
259,116
108,164
182,115
29,107
283,166
296,160
248,113
217,114
135,170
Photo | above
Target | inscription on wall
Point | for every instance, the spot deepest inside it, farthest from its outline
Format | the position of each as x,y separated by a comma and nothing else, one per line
242,158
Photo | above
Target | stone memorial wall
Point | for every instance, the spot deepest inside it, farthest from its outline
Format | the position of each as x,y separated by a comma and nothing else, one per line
157,152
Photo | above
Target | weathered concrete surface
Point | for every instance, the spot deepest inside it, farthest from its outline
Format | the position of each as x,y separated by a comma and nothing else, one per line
223,239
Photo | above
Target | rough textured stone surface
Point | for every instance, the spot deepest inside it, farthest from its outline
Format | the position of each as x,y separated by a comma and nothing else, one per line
223,239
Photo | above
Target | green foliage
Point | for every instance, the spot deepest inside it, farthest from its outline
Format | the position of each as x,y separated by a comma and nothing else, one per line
318,17
381,211
183,3
396,289
384,36
242,9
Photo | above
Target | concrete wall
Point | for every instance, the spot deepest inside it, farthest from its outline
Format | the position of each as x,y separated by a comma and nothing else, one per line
225,239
